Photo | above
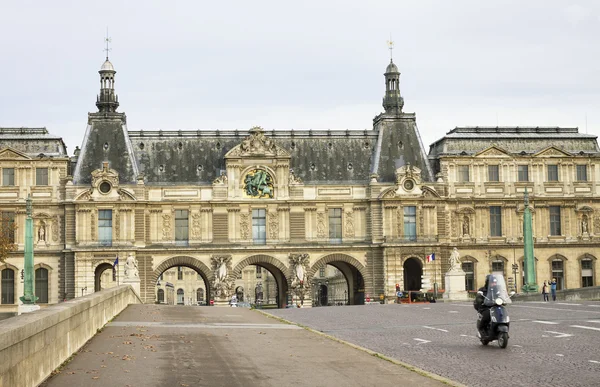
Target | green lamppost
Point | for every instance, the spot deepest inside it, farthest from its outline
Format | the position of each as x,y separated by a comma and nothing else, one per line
529,285
28,297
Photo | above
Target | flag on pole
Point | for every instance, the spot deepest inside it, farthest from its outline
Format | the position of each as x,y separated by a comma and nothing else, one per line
115,268
430,257
116,261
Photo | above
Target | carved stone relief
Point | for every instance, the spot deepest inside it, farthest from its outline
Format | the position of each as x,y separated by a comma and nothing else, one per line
117,225
301,284
166,227
245,226
273,226
93,215
196,225
222,280
321,230
54,229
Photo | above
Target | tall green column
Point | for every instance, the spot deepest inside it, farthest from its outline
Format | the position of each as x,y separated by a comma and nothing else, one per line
529,285
28,297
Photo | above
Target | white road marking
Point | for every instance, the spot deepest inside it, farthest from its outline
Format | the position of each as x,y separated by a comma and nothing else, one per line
559,354
421,341
584,327
474,337
545,322
594,361
560,335
437,329
453,311
518,346
426,308
594,321
564,303
595,306
564,310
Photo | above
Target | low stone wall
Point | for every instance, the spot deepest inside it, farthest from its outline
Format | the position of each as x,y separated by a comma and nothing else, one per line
33,345
590,293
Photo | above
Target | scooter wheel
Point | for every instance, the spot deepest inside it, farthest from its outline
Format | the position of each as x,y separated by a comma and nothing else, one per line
484,342
503,340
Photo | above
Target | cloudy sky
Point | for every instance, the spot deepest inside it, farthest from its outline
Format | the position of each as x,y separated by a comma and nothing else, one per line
301,65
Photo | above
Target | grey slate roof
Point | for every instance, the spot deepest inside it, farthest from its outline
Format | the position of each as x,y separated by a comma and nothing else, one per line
33,142
197,157
528,140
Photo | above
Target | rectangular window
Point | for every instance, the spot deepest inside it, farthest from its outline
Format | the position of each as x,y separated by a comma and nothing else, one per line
554,220
181,227
322,272
558,273
259,226
523,173
582,173
493,173
8,177
41,176
498,267
496,221
410,223
552,172
105,227
335,225
258,272
179,273
468,268
587,273
8,226
463,174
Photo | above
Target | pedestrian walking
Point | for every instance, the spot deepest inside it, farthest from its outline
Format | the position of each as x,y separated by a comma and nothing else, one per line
545,291
553,289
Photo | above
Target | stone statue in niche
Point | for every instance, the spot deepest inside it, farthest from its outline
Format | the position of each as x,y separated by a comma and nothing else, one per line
584,224
42,232
465,225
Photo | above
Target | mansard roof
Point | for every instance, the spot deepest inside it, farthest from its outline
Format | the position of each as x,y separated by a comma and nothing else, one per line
198,156
34,142
515,140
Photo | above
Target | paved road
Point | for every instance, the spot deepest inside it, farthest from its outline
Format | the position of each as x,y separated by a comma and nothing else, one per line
173,346
551,344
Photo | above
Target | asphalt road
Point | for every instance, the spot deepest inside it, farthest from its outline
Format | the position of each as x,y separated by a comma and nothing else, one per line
551,344
179,346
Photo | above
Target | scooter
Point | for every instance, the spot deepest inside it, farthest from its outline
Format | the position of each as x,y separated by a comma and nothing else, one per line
497,329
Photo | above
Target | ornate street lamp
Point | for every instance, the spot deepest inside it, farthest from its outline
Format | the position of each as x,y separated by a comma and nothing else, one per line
28,297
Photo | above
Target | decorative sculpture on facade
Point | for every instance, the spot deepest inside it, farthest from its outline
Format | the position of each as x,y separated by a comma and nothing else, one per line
321,225
131,267
222,283
221,179
349,225
465,226
584,224
300,284
273,226
294,179
42,232
258,183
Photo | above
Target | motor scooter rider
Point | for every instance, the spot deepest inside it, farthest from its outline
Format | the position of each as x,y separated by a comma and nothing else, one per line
489,288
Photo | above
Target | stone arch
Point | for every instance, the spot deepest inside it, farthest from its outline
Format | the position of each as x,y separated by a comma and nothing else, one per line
562,281
99,268
181,260
280,272
7,265
354,272
42,265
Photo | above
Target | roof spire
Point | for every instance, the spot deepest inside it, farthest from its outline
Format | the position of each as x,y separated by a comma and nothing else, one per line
108,40
391,48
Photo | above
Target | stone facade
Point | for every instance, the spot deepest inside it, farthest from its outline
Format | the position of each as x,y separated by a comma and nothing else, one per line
371,204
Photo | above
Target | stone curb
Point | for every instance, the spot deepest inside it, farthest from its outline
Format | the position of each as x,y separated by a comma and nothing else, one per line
370,352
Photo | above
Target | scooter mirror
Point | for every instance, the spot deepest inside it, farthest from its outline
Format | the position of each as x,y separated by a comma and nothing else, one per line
480,293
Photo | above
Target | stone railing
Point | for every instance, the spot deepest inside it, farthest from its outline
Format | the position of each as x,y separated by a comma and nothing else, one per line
580,294
33,345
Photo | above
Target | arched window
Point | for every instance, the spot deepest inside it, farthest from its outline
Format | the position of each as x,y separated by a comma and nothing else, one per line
41,285
8,286
161,296
587,272
180,297
200,295
469,269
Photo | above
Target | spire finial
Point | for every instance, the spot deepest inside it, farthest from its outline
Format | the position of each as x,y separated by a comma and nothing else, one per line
390,44
107,40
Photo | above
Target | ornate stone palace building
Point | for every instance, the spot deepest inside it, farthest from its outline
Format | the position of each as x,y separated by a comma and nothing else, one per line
369,203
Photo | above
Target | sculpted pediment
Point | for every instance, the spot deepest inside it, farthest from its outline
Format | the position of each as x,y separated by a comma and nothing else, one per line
552,152
257,144
12,154
493,151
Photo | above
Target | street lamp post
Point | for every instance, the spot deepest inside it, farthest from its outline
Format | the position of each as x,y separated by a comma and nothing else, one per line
319,290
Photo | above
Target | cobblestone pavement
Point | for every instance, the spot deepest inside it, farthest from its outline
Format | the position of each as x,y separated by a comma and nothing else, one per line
551,344
179,346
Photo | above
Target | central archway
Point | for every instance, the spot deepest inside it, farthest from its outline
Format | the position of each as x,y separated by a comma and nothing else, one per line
413,271
352,271
150,293
275,267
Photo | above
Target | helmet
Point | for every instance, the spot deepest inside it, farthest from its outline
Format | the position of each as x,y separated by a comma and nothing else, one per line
490,279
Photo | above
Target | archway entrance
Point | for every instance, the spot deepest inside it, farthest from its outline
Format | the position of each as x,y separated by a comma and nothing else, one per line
181,280
260,281
412,274
103,277
337,280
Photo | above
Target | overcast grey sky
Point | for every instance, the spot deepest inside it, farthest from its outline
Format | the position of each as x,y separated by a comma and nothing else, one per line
301,65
